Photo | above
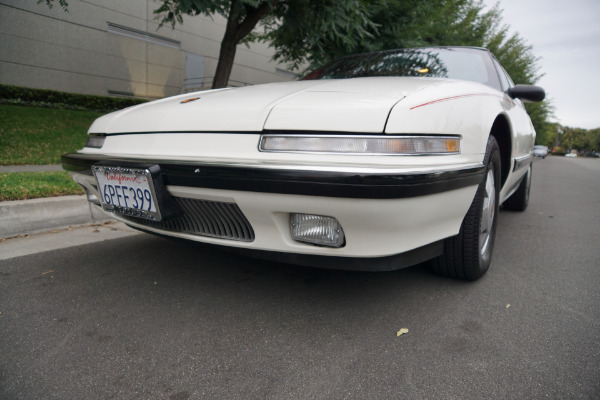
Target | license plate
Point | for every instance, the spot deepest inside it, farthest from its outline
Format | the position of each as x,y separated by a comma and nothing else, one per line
127,191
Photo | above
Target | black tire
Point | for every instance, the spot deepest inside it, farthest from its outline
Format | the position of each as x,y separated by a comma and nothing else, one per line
469,254
519,200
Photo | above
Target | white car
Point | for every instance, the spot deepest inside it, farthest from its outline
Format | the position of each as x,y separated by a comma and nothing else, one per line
540,151
376,161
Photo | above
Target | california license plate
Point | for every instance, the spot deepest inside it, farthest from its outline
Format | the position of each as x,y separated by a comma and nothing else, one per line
127,191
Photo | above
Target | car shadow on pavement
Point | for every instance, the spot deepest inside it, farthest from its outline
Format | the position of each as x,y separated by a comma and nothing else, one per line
160,270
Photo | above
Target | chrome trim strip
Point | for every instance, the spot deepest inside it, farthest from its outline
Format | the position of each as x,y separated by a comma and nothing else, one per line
523,161
260,144
68,163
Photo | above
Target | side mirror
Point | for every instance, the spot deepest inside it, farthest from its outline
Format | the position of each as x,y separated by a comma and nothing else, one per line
527,92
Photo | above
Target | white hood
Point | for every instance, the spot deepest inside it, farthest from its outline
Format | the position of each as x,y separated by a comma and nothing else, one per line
349,105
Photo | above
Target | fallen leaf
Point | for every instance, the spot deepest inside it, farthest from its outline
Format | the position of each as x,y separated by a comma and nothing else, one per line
508,306
402,332
95,231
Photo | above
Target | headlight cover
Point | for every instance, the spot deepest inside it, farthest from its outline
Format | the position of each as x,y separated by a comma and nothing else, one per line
95,141
360,144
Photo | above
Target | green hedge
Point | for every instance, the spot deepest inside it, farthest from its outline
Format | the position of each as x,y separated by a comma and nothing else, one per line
54,99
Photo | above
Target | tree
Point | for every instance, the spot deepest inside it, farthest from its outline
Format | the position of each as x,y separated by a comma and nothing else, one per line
314,22
50,3
583,140
395,24
550,136
594,138
575,138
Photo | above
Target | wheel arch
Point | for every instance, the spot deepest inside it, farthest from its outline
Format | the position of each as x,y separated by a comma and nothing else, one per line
502,133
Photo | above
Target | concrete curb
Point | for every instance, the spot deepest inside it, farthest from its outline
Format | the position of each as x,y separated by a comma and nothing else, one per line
38,215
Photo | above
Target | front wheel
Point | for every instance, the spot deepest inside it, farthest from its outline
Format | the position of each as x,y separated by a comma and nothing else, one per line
469,254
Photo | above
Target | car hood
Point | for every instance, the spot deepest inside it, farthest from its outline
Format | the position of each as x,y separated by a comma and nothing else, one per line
349,105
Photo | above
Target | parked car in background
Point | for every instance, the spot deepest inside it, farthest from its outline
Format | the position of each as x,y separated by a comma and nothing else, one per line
571,155
540,151
375,161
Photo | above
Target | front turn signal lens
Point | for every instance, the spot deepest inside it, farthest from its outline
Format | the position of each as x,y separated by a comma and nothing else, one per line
367,145
453,145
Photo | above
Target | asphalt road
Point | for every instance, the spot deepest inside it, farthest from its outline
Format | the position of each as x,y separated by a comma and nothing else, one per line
140,317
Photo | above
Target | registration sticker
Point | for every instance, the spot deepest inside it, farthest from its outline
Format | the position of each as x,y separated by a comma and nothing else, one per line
127,191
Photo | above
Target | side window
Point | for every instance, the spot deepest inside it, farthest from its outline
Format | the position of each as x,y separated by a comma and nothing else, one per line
491,70
505,81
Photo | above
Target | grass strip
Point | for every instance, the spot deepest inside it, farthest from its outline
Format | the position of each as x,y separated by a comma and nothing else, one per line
34,135
33,185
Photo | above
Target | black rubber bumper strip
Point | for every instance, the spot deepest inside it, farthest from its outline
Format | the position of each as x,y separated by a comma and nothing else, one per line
368,264
298,182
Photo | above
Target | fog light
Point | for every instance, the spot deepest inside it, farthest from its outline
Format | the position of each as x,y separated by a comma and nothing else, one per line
317,229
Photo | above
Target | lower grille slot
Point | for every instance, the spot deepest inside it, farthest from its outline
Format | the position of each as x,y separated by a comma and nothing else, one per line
205,218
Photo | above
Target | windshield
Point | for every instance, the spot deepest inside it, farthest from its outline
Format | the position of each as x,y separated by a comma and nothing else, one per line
444,62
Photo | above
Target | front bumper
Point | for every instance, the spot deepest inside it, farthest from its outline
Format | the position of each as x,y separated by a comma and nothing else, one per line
383,211
310,181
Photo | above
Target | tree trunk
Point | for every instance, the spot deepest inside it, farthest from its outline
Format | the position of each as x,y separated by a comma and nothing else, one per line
235,31
225,64
228,47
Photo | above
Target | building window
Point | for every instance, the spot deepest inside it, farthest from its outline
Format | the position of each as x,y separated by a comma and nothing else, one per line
141,35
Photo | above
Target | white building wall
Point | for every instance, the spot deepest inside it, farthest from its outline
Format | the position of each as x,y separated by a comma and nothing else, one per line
98,47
